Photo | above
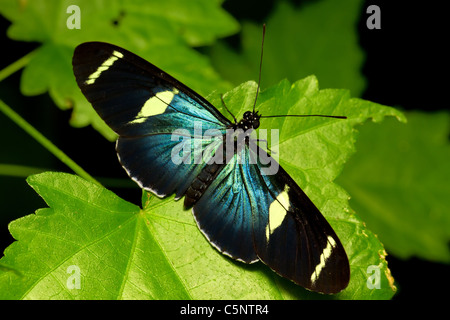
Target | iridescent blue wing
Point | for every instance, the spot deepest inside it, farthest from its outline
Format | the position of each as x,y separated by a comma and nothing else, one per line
153,114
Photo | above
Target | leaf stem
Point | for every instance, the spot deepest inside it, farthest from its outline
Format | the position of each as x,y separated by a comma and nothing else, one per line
17,65
22,123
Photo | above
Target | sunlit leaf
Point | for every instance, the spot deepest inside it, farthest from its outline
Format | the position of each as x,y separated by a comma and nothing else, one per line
124,252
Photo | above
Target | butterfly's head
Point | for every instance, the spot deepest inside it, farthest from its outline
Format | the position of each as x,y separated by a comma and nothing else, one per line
249,121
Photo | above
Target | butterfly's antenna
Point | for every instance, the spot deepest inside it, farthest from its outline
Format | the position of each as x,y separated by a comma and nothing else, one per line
260,65
305,115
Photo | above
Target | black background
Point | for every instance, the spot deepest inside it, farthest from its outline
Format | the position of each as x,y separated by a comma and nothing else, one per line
405,67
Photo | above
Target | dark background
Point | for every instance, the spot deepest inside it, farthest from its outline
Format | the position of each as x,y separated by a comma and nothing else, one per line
404,68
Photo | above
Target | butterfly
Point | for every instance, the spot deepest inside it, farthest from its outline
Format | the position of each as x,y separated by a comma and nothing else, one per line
243,212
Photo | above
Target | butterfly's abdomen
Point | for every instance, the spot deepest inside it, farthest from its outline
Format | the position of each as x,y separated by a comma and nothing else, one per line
201,183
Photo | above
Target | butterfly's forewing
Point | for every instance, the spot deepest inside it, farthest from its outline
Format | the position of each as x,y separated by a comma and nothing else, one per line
145,106
250,216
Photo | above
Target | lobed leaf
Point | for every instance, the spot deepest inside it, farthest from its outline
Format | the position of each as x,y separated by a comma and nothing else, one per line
123,252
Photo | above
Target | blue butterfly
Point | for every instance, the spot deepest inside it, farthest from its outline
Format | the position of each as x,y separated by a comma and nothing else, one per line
173,141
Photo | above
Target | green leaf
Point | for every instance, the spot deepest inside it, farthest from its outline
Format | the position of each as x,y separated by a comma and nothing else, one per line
319,38
399,184
159,253
161,32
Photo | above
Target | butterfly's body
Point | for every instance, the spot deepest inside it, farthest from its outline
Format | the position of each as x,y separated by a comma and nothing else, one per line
244,213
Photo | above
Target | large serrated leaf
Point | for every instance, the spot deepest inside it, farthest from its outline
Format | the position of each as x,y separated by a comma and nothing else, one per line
159,253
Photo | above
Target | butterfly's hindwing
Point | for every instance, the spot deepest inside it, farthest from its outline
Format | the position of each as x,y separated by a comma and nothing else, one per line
174,164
